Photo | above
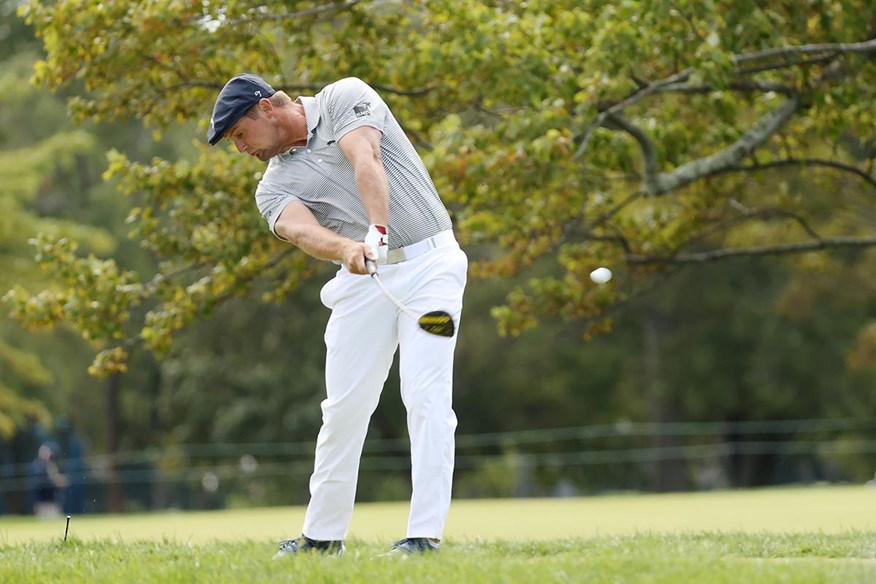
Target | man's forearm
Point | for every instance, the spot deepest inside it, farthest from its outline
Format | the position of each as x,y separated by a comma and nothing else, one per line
315,240
374,191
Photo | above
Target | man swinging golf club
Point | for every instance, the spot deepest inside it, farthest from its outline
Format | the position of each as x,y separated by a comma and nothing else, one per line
345,184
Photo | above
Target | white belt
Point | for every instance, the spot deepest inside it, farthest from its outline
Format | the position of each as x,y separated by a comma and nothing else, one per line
409,252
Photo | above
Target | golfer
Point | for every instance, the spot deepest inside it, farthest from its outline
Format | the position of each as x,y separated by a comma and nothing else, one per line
344,183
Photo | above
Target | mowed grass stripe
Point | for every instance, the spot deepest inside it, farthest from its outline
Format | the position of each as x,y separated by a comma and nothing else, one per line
810,509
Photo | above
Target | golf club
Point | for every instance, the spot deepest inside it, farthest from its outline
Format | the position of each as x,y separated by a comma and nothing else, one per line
436,322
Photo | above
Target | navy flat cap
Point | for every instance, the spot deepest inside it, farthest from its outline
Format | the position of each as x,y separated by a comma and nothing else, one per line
239,94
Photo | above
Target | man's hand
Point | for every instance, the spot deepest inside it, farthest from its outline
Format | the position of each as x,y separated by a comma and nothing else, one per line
377,241
354,257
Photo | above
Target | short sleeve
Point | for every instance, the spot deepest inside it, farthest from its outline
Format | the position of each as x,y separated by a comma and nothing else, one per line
351,103
271,204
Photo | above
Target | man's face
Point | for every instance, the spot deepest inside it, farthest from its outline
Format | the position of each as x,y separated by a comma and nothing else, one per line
257,133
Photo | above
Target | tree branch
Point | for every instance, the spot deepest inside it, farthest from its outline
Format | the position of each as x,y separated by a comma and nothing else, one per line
649,154
729,156
635,97
776,66
294,87
835,48
274,261
617,208
673,82
300,14
572,230
741,86
786,249
745,214
774,213
807,162
161,277
405,92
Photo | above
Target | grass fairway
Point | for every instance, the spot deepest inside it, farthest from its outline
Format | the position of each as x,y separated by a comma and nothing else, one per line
775,535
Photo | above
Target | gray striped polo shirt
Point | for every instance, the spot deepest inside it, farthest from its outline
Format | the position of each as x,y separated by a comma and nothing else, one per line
321,177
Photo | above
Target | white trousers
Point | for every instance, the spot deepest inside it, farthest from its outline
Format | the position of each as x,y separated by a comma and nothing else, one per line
361,337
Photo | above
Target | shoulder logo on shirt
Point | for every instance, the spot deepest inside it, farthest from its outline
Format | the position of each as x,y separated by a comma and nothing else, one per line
362,109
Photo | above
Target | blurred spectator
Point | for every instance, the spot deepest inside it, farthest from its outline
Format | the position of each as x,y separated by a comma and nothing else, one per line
47,483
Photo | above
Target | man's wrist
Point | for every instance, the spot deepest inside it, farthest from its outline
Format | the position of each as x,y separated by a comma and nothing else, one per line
378,240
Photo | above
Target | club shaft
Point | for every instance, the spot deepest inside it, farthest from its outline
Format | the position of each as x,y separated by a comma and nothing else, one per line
393,299
372,270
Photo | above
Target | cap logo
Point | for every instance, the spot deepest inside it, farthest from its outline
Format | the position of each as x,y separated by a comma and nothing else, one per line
259,93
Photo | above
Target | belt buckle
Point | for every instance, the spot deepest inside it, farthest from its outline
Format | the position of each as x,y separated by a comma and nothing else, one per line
399,254
395,256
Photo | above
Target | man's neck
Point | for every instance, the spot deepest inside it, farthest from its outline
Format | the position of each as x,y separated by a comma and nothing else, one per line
298,125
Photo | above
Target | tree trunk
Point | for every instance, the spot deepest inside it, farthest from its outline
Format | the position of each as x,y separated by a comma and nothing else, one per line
666,473
115,494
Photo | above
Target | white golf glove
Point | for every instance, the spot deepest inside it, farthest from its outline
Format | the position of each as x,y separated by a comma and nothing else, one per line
378,240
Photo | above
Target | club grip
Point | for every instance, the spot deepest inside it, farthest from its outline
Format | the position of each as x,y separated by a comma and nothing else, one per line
371,265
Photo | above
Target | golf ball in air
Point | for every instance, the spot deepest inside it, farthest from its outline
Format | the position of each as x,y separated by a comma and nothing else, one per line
600,275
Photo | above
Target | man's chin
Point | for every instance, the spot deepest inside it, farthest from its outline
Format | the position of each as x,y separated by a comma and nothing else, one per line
268,153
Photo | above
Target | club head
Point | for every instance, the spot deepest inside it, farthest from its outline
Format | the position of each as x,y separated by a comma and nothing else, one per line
438,323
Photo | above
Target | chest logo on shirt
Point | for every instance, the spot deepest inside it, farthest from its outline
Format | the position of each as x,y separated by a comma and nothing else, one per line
362,109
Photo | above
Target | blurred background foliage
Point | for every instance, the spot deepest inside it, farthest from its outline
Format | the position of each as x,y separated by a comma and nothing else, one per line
562,135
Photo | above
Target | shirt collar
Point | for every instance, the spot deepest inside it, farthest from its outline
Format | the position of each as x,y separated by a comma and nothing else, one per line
311,113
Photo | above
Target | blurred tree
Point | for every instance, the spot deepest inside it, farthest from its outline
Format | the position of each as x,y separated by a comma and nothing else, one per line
16,36
628,134
38,166
52,186
640,135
